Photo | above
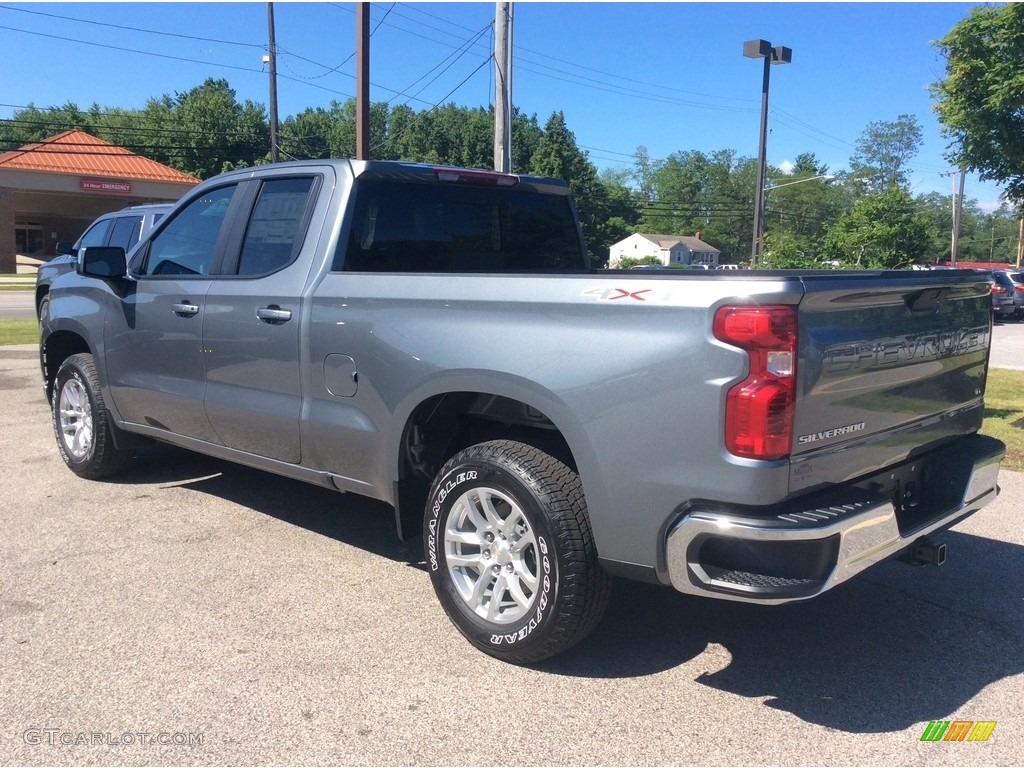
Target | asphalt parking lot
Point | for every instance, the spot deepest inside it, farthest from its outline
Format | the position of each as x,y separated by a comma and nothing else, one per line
199,613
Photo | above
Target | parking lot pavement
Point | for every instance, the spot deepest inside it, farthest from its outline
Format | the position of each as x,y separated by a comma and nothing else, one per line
270,622
1008,345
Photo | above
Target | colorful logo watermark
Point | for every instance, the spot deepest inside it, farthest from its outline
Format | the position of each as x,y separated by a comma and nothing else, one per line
958,730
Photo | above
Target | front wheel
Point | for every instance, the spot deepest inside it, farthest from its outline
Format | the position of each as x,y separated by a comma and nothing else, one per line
81,422
511,554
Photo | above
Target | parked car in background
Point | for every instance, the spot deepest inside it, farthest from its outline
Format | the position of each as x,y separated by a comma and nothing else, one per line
1018,293
1004,296
124,229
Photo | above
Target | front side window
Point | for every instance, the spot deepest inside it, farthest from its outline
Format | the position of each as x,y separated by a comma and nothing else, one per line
188,244
95,235
275,232
407,227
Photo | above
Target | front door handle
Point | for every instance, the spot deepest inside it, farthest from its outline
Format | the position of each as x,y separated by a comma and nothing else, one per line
185,309
274,314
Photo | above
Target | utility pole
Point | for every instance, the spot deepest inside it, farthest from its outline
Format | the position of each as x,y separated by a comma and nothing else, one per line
1020,242
503,87
363,81
275,155
958,207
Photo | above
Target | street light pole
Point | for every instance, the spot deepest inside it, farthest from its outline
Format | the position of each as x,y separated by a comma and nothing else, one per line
755,49
825,176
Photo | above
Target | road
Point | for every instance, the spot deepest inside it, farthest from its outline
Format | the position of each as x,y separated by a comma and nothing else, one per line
17,305
284,624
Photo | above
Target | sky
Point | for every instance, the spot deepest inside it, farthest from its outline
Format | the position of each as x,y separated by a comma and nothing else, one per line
668,76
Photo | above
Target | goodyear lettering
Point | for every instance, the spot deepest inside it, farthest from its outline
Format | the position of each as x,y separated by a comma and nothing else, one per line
542,602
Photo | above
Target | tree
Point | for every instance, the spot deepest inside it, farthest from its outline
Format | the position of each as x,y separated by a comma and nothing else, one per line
785,250
882,231
526,136
995,238
884,149
619,214
211,129
643,173
307,135
798,212
558,156
979,101
628,262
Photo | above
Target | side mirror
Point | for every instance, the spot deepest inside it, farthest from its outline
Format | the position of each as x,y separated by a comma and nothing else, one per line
103,261
65,249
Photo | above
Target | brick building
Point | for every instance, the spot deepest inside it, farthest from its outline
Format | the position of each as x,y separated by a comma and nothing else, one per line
51,190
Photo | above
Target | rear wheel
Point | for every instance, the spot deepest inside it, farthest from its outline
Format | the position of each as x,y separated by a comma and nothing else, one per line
511,554
81,422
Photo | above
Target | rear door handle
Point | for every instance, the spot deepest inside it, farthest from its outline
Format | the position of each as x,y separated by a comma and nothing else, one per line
274,314
185,309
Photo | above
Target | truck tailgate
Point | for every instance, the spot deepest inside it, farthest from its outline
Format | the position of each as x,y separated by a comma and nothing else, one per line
890,365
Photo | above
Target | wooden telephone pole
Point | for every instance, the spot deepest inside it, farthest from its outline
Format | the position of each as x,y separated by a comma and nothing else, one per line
275,154
503,87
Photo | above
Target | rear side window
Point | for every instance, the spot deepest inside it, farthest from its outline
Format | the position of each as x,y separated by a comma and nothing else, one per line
400,227
126,232
276,228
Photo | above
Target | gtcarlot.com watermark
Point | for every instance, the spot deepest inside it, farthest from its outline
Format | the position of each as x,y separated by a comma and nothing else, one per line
63,737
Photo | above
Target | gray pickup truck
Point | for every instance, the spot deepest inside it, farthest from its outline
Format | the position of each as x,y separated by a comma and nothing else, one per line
434,338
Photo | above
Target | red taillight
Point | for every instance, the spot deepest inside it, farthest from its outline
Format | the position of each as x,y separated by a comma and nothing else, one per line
998,289
759,410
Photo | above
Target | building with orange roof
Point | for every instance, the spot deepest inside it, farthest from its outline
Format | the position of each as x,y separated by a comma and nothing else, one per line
51,190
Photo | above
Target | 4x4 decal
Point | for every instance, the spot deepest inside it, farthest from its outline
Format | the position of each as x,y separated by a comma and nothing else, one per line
612,294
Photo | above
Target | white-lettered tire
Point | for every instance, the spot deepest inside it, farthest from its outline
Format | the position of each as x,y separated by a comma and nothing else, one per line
511,554
81,422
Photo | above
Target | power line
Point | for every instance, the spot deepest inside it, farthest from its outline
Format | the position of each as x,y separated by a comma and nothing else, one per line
128,50
461,52
440,101
331,69
135,29
520,49
97,128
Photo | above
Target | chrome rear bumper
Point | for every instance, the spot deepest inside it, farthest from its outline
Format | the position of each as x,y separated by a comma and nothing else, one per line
804,548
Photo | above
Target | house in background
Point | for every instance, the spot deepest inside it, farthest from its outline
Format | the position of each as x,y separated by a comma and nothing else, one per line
668,249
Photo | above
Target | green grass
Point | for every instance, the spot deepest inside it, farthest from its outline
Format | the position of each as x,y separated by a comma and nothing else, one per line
19,332
1004,407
